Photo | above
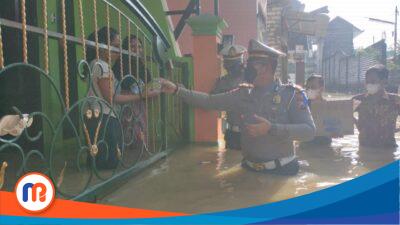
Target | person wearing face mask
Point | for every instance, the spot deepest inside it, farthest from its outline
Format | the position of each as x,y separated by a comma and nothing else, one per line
315,87
233,56
377,111
272,115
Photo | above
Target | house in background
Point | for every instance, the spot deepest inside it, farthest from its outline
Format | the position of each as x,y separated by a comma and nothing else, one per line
342,66
282,24
340,37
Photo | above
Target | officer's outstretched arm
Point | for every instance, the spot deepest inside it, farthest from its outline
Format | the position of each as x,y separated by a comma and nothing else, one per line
301,126
223,102
217,88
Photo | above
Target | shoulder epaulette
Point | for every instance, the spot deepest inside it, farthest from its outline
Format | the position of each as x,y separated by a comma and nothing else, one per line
295,87
245,85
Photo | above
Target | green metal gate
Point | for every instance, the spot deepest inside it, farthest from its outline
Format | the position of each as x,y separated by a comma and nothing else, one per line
45,77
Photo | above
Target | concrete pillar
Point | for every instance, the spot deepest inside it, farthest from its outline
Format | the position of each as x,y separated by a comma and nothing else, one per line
300,73
207,68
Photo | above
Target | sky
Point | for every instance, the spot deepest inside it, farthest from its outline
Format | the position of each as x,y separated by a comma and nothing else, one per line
356,11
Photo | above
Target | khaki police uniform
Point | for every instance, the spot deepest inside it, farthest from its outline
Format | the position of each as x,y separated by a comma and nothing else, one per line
285,106
233,55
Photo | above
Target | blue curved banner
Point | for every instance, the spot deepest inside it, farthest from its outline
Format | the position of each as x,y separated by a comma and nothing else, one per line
369,199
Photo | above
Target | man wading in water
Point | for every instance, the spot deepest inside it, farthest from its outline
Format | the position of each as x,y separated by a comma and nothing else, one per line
273,115
377,111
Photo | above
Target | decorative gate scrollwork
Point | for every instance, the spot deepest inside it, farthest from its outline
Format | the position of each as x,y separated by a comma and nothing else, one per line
141,128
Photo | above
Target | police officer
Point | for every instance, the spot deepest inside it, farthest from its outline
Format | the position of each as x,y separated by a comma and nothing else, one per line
273,115
233,56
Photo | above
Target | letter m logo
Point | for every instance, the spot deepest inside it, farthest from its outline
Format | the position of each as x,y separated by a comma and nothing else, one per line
34,187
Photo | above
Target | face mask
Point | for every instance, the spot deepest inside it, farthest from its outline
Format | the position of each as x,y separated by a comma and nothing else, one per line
234,68
250,74
372,88
313,94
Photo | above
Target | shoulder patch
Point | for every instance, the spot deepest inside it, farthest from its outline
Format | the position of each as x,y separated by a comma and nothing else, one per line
301,98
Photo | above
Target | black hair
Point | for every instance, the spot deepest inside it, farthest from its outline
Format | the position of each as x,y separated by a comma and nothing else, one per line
320,79
102,35
125,61
132,37
380,70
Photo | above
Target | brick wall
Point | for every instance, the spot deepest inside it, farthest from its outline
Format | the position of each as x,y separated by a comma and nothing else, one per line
275,36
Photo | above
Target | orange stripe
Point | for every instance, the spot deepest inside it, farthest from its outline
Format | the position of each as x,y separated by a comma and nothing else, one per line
80,210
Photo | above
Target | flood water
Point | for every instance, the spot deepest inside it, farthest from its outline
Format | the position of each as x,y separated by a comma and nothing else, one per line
198,179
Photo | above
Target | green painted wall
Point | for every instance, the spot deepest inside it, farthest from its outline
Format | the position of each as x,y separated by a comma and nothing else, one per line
51,105
157,9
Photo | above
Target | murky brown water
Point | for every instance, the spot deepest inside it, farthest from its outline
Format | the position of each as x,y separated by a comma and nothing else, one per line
200,179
